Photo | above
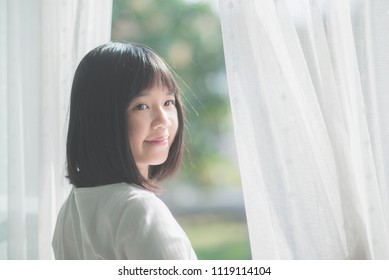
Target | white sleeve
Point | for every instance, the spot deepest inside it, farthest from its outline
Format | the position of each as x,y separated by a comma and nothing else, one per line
148,230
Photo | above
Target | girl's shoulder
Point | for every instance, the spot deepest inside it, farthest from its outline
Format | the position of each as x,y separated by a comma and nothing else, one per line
118,197
131,197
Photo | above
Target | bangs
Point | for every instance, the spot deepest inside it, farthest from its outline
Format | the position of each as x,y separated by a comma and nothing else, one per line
155,72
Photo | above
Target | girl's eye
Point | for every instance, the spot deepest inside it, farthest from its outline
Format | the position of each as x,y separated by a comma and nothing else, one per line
141,107
170,103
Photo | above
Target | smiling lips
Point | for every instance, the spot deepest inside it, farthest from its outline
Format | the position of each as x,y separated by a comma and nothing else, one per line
159,141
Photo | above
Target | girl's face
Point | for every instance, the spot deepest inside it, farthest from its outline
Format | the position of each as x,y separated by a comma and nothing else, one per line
152,126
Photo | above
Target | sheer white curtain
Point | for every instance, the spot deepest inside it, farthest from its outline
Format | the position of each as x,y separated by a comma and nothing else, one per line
40,45
309,83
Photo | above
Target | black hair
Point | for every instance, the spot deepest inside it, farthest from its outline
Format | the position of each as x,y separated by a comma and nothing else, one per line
98,151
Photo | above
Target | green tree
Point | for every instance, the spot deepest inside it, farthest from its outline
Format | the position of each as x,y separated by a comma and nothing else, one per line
188,36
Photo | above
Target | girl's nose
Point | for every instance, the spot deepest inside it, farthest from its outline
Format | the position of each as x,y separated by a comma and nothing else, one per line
161,119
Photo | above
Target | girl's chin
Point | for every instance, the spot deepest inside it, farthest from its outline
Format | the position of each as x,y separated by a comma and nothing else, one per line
155,160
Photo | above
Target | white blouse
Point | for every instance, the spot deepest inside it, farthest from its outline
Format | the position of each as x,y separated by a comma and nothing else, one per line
118,221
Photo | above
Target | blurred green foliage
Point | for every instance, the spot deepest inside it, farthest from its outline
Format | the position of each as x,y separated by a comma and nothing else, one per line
217,237
188,36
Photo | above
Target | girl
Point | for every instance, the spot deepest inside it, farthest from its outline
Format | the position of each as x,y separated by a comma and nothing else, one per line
125,134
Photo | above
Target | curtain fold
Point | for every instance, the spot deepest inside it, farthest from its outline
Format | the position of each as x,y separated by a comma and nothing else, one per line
42,41
309,131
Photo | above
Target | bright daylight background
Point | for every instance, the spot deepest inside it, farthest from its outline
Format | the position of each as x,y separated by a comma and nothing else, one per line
206,197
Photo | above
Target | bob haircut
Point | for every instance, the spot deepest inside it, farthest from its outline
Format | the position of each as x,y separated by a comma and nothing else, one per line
107,79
